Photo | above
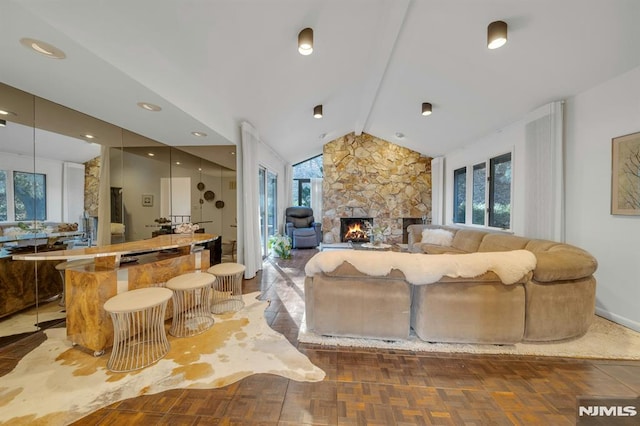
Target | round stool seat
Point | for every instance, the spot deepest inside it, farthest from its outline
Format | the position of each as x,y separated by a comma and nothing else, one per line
190,281
136,300
229,268
139,338
191,303
227,290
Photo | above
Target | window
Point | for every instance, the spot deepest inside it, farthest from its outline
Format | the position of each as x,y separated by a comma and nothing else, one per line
303,172
267,186
500,192
3,196
479,193
30,196
459,195
489,192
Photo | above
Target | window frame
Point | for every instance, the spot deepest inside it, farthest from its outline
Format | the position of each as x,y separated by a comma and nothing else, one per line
469,170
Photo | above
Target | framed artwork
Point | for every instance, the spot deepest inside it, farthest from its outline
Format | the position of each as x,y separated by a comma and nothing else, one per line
625,175
147,200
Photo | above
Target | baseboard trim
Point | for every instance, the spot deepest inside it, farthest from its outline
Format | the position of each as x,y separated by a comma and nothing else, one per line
634,325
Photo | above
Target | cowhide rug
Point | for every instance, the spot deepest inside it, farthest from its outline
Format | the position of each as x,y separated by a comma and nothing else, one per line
56,384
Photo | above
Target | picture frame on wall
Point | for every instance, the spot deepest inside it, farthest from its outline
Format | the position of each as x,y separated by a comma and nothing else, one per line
625,175
147,200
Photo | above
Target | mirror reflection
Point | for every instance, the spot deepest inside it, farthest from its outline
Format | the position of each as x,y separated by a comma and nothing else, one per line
57,168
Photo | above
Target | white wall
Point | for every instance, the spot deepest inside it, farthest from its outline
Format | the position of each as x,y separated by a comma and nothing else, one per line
593,118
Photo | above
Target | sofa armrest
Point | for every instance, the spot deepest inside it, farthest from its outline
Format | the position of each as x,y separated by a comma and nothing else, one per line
288,229
563,262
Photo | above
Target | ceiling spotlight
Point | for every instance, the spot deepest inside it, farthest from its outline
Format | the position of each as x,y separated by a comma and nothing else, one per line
88,136
3,112
426,108
317,111
149,107
399,135
43,48
151,154
496,34
305,41
3,123
199,134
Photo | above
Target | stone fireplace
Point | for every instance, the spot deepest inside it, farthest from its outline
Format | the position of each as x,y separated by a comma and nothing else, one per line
354,229
367,177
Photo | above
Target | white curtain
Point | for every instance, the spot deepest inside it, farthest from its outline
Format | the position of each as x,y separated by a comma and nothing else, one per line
104,199
316,198
437,191
249,246
544,174
288,193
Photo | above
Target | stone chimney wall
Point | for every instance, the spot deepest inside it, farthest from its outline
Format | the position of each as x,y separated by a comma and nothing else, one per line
365,176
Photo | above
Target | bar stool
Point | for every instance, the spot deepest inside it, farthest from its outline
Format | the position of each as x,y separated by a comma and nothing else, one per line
227,290
191,301
139,338
62,268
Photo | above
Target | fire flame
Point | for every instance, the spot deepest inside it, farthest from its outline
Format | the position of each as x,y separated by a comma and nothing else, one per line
355,232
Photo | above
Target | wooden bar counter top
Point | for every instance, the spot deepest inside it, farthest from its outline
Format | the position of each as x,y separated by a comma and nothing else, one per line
118,268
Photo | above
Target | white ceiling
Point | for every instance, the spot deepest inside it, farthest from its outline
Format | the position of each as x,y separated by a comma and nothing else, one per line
212,64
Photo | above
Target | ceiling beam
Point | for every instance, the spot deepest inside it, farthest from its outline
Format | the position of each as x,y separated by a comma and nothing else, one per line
389,27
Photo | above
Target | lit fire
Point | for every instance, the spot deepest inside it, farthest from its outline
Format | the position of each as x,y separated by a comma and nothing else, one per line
355,232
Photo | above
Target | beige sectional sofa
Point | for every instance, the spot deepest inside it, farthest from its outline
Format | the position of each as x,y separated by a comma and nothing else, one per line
555,300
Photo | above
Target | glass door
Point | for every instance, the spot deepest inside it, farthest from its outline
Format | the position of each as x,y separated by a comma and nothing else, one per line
267,188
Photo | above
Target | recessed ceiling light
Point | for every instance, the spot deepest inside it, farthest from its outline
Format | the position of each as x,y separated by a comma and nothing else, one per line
177,163
199,134
149,107
89,136
233,153
399,135
3,112
151,154
323,135
43,48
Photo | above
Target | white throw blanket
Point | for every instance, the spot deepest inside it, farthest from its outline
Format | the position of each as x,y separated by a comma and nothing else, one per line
420,268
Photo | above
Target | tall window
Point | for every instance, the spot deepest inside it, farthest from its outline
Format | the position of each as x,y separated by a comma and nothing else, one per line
479,193
302,174
459,195
500,192
3,196
489,192
267,186
30,196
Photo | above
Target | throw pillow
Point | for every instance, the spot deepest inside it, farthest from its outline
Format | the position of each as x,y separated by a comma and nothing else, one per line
440,237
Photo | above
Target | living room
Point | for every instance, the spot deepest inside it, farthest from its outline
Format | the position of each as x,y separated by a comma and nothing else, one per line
587,73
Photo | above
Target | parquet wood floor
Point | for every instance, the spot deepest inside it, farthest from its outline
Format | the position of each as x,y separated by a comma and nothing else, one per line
373,387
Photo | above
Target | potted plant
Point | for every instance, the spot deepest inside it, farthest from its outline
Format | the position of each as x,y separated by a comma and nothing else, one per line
281,245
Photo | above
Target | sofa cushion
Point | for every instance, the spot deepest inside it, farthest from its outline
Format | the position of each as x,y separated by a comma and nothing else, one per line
502,242
468,240
440,237
437,249
563,262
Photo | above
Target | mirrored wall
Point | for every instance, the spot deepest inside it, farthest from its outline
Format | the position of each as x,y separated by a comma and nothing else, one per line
69,180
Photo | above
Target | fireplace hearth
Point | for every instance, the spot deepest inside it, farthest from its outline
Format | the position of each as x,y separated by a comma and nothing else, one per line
354,229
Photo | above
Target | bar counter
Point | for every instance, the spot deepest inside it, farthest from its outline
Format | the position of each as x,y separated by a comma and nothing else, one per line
118,268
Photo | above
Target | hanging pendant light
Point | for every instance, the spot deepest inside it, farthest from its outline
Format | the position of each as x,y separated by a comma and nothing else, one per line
305,41
426,108
496,34
317,111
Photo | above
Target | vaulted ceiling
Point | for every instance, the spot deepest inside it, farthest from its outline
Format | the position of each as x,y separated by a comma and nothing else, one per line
212,64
